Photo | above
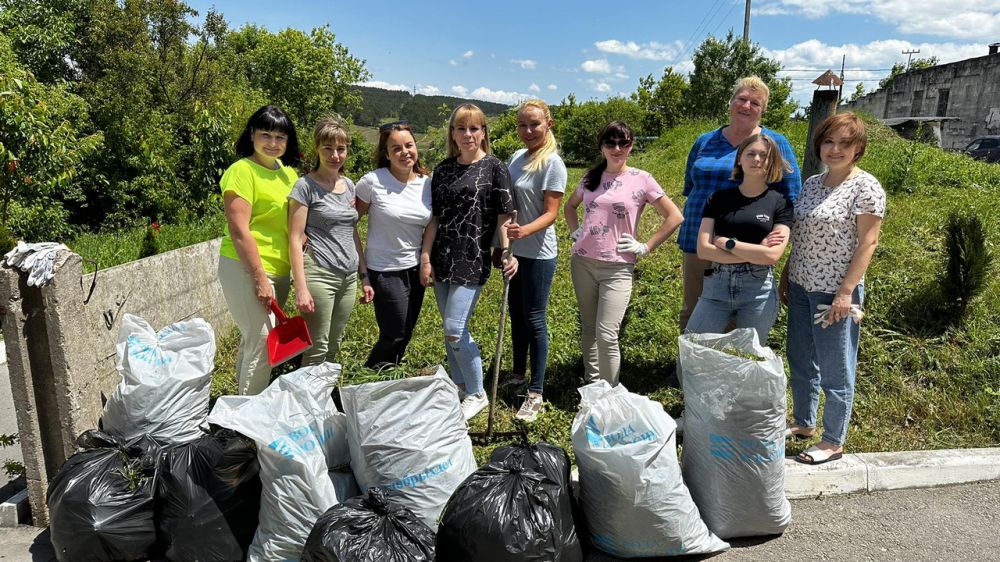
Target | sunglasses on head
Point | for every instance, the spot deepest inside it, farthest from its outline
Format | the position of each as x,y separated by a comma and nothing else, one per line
388,126
613,144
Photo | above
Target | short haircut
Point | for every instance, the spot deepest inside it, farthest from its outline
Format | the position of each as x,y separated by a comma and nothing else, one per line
330,129
751,83
466,114
270,118
382,153
847,122
776,165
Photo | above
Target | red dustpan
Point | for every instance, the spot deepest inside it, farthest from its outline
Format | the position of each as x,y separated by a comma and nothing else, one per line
288,338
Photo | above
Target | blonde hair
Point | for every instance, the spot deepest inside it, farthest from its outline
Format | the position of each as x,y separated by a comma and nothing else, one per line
549,147
751,83
330,129
776,165
466,114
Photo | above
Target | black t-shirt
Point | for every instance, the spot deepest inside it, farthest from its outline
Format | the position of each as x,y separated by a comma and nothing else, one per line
748,219
466,199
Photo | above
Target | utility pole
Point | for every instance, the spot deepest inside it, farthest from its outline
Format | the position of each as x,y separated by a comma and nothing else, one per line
840,94
746,23
909,54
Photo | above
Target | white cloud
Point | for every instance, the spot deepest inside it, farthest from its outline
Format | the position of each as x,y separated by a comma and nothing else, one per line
599,66
526,64
645,51
534,88
552,87
461,91
602,87
956,19
428,90
384,85
453,62
497,96
865,62
468,54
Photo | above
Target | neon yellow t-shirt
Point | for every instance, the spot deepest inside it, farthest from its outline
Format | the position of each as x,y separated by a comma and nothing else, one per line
267,192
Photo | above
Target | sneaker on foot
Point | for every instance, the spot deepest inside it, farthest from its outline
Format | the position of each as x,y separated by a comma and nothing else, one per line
473,404
530,408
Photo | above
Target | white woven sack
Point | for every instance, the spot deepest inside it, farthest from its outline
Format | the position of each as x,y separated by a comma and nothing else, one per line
409,437
165,383
630,481
299,435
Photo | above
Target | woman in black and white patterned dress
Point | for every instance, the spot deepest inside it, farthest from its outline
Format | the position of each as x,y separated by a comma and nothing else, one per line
471,196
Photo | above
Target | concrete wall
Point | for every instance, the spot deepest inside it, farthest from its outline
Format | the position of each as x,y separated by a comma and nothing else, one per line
61,342
973,87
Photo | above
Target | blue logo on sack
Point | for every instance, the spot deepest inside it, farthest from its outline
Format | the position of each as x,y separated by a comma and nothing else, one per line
624,436
299,441
746,451
149,354
637,547
414,480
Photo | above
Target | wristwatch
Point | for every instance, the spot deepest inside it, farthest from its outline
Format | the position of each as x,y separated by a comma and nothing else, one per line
730,244
363,275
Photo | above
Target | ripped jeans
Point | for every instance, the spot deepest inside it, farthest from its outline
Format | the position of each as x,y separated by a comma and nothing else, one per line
456,304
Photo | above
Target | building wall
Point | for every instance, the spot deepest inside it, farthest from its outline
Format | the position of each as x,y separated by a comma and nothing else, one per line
973,95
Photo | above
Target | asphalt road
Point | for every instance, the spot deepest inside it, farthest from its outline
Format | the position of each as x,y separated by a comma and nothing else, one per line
953,523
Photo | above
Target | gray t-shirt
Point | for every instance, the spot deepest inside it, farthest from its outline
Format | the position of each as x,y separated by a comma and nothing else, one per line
397,215
529,195
329,225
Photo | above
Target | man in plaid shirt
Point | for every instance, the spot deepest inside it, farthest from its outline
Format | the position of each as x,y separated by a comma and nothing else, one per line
709,169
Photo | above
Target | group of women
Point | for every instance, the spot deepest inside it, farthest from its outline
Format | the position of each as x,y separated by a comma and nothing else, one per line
450,228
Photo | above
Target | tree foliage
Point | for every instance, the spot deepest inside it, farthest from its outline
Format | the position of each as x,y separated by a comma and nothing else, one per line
719,63
900,68
581,123
662,100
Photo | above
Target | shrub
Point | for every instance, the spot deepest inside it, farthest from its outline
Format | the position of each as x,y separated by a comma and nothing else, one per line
578,133
7,240
968,262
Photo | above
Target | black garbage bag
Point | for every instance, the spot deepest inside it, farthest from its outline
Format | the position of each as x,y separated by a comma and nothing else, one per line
369,528
506,512
101,500
553,462
208,498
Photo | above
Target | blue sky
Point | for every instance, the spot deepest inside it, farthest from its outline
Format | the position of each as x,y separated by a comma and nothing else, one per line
506,51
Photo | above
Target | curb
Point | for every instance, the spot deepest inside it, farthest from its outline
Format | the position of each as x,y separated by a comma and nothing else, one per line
15,510
872,472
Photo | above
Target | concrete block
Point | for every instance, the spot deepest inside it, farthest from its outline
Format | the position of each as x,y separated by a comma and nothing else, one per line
15,511
924,469
845,476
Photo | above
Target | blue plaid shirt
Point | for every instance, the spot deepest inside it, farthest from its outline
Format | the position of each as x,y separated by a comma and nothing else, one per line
709,165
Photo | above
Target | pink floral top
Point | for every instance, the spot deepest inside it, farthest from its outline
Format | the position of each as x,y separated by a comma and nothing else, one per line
612,210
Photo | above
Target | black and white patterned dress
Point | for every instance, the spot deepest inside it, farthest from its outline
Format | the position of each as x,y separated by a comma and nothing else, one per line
825,231
466,199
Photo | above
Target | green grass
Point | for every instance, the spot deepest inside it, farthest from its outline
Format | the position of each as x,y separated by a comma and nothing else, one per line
915,390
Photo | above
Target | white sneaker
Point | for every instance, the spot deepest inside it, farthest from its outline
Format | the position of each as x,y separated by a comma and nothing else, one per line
473,404
530,408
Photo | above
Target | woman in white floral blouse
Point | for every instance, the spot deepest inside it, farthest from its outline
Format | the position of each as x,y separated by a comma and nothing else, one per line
838,216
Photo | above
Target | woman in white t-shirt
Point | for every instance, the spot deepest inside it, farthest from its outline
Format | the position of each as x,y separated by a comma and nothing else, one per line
538,175
838,216
397,199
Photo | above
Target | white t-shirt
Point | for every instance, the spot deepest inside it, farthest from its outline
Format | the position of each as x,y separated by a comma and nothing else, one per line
529,197
397,215
825,231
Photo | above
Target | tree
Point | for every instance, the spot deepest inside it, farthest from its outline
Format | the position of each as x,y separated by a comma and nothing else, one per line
663,100
719,63
578,133
45,35
859,92
900,68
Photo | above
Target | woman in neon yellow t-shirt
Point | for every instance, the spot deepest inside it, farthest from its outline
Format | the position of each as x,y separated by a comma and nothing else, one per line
254,267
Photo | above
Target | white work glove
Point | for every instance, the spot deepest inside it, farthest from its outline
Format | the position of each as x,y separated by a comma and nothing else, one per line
628,244
823,316
576,234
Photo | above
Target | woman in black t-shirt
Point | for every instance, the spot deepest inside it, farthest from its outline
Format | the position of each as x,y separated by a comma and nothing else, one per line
743,233
471,197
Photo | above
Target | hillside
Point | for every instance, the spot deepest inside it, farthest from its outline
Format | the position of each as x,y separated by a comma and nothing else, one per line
421,111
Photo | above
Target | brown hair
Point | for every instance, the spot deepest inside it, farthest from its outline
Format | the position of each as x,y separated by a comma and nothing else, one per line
466,114
848,122
776,165
382,154
330,128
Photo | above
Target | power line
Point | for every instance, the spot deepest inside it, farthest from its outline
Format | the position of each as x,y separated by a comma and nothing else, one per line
710,14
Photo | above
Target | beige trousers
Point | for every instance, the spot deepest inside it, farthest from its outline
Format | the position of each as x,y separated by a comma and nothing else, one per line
603,290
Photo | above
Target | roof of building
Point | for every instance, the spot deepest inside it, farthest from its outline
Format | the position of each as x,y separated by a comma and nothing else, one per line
900,120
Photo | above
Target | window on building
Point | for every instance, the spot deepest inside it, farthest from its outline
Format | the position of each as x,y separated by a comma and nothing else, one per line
918,101
942,105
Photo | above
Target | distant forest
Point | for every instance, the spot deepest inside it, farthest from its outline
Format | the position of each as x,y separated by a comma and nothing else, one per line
420,110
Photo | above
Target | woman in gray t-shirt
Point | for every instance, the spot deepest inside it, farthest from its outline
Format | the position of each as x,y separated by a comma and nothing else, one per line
324,244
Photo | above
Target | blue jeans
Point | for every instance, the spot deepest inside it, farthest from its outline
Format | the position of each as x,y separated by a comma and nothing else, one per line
456,303
741,291
822,358
529,298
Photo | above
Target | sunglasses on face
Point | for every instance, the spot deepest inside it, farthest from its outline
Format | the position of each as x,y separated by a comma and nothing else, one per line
611,144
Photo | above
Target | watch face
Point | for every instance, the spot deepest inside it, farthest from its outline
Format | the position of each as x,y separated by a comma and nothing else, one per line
730,244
